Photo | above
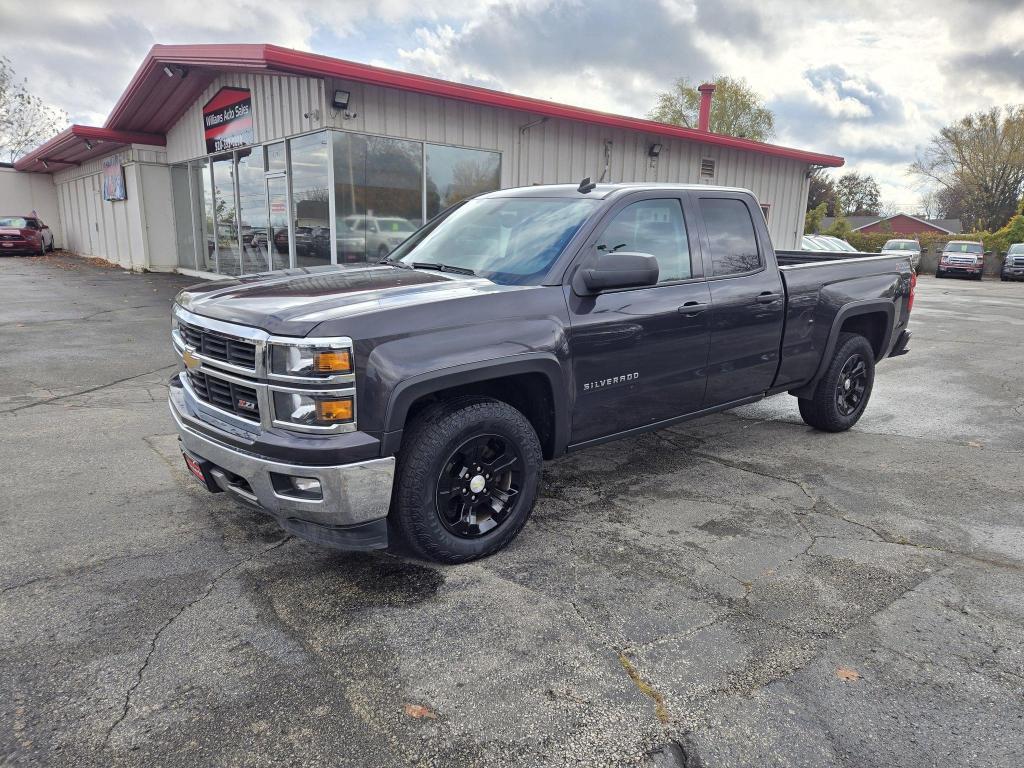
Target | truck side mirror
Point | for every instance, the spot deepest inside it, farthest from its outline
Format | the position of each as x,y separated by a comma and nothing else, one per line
618,269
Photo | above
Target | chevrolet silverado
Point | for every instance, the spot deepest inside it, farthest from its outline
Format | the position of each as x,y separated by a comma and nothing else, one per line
413,401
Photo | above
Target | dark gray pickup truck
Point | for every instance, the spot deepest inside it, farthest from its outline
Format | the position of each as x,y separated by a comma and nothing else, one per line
413,401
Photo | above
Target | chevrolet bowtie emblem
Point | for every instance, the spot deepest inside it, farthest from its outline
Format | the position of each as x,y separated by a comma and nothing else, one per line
191,361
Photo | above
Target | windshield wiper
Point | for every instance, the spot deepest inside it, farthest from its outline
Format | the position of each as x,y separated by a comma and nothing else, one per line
394,263
443,267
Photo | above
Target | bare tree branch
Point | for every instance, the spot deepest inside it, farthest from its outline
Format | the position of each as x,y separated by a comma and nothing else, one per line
25,120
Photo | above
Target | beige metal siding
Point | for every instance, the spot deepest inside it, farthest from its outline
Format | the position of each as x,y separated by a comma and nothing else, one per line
115,231
280,104
552,151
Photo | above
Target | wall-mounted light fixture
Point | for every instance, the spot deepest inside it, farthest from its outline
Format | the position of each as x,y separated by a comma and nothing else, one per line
654,150
88,144
175,69
340,100
45,164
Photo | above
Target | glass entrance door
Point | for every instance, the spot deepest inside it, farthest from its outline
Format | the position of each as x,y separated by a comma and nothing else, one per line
277,236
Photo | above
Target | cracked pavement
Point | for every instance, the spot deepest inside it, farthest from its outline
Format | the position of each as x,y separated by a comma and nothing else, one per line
684,598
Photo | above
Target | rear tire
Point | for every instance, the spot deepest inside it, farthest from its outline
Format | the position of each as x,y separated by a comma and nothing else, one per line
842,393
443,508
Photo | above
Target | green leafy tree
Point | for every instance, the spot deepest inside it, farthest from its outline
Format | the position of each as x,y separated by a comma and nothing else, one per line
736,110
858,195
840,228
812,222
822,189
981,157
25,121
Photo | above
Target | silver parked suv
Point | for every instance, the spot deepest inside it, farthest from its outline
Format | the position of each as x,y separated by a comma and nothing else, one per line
1013,265
900,247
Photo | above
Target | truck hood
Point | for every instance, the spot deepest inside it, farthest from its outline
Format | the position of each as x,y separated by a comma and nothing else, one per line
293,302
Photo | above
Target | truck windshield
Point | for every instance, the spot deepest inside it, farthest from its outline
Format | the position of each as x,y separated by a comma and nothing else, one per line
963,248
510,240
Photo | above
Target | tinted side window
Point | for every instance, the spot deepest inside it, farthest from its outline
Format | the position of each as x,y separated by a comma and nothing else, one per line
731,236
655,227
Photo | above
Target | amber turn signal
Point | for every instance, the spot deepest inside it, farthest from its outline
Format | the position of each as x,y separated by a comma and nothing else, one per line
334,410
333,361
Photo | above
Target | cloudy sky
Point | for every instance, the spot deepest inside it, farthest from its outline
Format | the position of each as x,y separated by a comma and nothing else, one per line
870,82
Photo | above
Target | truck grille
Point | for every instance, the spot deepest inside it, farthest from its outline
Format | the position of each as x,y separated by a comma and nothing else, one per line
1018,261
219,347
10,237
234,398
968,261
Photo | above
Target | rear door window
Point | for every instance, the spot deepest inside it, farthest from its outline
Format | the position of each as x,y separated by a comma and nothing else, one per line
731,236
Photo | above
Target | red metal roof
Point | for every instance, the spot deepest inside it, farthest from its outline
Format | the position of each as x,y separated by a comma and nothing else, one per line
153,101
74,145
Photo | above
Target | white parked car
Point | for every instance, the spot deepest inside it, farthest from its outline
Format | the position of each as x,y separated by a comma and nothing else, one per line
383,233
901,247
825,243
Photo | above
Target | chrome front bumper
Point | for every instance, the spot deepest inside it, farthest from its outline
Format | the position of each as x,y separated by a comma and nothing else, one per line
355,497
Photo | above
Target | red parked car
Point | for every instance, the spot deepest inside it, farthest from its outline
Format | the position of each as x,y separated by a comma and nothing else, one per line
24,234
962,257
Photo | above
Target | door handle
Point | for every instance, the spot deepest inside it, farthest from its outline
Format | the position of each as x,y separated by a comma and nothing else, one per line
768,297
692,308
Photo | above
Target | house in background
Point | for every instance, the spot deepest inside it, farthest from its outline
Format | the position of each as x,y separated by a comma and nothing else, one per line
899,224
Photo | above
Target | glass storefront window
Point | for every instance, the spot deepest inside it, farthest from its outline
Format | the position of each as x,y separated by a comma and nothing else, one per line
454,173
277,199
203,206
311,202
252,210
184,234
229,261
378,188
261,206
276,162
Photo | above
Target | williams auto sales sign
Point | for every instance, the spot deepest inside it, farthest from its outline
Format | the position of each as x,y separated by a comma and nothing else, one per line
227,119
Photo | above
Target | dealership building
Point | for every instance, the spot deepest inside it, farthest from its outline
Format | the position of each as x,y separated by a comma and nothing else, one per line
230,159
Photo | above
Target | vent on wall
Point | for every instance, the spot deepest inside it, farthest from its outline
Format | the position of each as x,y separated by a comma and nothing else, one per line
707,168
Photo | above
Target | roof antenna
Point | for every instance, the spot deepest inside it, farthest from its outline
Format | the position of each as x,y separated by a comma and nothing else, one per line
586,186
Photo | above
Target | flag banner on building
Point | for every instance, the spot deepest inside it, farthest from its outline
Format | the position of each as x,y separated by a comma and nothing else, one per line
113,180
227,119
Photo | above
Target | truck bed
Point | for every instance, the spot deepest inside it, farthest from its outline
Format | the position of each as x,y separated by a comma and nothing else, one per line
816,283
790,258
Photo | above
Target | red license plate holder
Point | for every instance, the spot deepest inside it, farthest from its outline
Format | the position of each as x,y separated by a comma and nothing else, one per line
200,469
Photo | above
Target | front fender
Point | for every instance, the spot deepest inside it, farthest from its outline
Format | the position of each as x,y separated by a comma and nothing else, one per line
412,389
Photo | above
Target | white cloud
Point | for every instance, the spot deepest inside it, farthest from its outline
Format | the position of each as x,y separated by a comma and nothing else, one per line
871,80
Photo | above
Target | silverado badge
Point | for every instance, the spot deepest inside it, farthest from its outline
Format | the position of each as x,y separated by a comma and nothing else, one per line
191,361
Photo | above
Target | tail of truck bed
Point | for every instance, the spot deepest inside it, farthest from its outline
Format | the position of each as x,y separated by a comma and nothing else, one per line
828,293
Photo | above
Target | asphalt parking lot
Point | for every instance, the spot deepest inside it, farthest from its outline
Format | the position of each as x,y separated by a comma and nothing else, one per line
737,591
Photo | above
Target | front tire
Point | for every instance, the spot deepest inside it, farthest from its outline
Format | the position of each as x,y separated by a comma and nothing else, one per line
842,393
467,480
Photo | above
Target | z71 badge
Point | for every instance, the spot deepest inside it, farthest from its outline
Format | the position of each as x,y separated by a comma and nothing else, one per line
612,381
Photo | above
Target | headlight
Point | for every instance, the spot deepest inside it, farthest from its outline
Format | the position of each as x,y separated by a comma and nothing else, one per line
314,410
310,361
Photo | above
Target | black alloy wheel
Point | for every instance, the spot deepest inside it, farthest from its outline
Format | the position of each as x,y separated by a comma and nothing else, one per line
466,480
852,383
842,393
479,485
